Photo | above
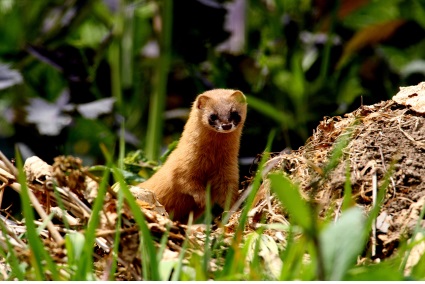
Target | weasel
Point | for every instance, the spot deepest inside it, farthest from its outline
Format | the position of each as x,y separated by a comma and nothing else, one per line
207,153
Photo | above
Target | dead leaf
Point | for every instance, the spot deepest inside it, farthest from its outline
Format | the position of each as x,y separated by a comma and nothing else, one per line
416,253
412,96
37,171
147,198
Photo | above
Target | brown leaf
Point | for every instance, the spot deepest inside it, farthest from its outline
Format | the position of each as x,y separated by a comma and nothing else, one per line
412,96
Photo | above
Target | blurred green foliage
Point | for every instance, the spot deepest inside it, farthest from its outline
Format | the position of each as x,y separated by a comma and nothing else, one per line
296,60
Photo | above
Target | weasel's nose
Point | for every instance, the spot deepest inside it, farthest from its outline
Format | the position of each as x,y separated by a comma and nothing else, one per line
227,126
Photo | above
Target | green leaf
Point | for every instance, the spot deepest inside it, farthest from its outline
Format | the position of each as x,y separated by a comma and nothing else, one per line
170,148
74,242
288,193
132,178
384,271
342,242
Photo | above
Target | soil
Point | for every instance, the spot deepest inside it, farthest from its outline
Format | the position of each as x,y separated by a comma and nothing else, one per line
383,139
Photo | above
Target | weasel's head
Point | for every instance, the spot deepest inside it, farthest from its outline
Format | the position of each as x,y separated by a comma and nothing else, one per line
222,110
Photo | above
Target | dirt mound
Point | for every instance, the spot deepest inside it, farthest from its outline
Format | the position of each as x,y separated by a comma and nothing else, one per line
387,138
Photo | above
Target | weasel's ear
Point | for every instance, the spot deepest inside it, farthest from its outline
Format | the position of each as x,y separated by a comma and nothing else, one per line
201,101
239,97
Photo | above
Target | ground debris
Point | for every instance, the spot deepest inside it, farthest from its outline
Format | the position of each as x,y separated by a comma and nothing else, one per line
77,188
384,136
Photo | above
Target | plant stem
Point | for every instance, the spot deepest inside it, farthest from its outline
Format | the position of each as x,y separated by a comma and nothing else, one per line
327,51
158,96
115,60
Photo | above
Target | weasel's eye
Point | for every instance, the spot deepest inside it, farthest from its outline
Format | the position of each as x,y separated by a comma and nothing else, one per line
212,119
235,117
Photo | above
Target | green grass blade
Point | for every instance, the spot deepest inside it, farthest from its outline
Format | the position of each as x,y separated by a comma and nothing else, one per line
117,236
179,265
40,259
337,152
207,244
43,225
326,62
61,206
163,242
165,267
269,110
347,201
150,263
157,104
121,153
231,258
85,269
418,270
291,256
256,183
11,257
74,243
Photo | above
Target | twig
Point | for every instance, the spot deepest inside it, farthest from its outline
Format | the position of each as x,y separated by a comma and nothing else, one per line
37,206
1,193
75,199
374,197
337,212
418,143
385,169
8,164
11,232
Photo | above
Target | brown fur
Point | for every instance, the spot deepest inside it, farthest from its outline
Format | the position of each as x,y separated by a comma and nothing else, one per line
203,155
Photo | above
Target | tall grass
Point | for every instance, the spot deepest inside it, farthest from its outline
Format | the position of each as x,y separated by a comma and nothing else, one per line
157,105
43,266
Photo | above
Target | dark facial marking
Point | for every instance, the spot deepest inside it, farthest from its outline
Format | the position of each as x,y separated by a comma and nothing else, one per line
212,119
235,117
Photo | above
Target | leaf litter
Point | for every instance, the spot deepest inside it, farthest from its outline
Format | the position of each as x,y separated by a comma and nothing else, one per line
386,135
77,188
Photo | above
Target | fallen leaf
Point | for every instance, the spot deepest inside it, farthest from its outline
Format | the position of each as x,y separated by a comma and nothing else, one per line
412,96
